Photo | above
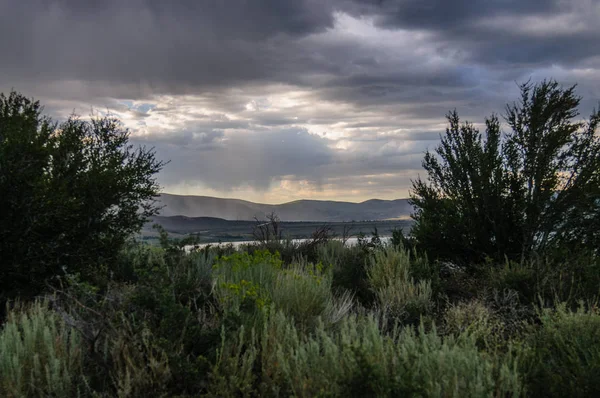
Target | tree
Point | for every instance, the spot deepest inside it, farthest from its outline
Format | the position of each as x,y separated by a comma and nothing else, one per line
71,194
530,189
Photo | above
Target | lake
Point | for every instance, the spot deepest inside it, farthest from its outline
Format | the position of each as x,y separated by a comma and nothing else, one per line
349,242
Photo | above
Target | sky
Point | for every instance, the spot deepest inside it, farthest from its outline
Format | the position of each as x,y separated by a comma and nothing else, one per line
279,100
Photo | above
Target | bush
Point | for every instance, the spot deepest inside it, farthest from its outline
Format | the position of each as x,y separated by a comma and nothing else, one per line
156,335
71,194
563,277
516,192
303,292
356,359
138,366
40,355
396,289
244,282
233,372
174,300
564,354
472,317
349,267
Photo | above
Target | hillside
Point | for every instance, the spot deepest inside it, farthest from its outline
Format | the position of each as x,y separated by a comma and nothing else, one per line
299,210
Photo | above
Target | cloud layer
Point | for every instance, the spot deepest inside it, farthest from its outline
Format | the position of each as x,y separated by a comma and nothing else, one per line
276,100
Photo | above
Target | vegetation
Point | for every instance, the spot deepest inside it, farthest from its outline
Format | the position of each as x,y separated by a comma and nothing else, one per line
531,189
479,301
71,193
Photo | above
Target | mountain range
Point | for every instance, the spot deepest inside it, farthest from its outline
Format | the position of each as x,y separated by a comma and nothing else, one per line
299,210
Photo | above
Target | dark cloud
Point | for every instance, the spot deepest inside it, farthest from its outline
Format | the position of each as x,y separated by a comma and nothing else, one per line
183,46
443,15
239,92
470,27
166,45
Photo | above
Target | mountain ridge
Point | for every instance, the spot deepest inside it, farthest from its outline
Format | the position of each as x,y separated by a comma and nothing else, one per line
298,210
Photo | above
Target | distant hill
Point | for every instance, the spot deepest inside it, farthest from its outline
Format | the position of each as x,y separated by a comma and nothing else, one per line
299,210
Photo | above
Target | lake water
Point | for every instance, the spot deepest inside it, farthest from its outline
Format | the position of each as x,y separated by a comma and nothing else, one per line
349,242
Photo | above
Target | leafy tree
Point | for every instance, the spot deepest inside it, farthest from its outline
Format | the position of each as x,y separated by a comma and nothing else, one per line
71,194
533,188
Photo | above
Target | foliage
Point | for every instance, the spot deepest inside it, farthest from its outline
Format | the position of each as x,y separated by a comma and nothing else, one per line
564,356
191,324
391,277
559,278
303,292
357,359
40,355
534,188
349,269
71,193
244,282
496,322
155,333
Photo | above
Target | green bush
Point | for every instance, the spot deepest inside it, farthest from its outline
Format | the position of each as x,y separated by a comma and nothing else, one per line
349,266
166,312
397,291
244,282
233,372
138,366
40,355
356,359
303,291
564,354
71,193
472,317
566,277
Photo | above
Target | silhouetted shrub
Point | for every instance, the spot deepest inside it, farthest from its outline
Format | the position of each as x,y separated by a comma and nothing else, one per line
71,195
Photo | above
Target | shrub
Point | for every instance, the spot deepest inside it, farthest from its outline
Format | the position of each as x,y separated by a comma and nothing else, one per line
302,291
75,191
515,192
472,317
349,267
40,355
244,282
356,359
233,373
520,277
564,354
158,334
454,367
138,366
396,289
567,277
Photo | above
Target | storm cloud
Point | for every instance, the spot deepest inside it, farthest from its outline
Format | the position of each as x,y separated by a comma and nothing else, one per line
276,100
